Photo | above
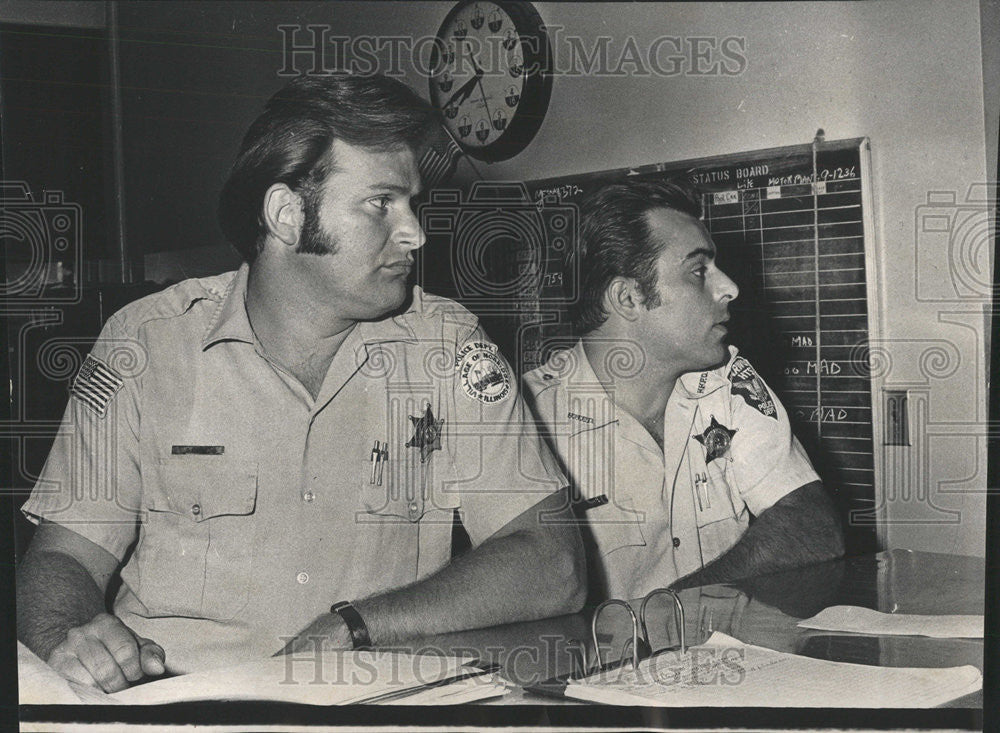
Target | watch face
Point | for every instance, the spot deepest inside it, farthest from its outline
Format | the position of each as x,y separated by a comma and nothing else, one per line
491,99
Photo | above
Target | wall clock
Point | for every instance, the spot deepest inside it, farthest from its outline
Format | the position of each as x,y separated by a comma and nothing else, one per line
491,76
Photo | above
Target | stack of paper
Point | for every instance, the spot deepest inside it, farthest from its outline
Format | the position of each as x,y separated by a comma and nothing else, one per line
333,678
725,672
336,678
39,684
858,620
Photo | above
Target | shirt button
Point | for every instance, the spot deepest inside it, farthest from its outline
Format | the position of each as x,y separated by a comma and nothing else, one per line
196,509
677,541
308,496
302,578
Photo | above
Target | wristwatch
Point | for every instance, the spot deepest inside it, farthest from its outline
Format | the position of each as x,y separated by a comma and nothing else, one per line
355,624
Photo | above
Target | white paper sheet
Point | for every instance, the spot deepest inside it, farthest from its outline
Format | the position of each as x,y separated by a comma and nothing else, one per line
470,689
866,621
336,678
725,672
39,684
341,678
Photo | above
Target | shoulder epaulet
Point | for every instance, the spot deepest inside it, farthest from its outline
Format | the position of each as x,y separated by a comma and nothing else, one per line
173,301
541,379
428,313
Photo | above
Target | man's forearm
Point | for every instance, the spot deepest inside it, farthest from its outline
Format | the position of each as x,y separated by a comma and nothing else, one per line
512,578
800,529
54,594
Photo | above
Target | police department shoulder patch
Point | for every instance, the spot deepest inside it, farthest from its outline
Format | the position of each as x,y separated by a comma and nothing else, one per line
746,383
482,372
96,384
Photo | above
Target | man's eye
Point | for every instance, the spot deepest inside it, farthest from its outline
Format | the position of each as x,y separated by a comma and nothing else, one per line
382,202
700,271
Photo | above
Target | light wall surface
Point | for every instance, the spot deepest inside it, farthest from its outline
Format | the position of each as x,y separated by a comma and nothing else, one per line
907,75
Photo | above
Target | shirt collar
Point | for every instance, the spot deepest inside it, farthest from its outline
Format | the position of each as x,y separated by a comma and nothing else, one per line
573,365
695,385
231,323
396,327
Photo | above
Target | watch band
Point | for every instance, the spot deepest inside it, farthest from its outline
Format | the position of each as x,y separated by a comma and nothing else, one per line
355,624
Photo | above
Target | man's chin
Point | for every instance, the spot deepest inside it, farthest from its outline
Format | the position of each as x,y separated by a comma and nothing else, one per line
395,299
718,358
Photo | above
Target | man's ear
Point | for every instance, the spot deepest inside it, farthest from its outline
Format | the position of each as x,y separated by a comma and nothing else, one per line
283,215
623,298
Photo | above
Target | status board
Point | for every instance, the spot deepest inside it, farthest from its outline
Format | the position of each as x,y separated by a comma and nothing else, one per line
792,226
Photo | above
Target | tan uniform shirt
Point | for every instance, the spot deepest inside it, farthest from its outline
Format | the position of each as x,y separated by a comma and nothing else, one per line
728,451
255,506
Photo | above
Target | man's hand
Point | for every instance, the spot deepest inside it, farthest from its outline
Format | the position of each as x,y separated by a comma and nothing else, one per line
106,653
327,633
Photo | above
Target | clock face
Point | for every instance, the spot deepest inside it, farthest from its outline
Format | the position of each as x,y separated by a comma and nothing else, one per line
488,78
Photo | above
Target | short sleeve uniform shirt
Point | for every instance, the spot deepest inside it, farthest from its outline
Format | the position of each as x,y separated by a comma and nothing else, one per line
652,515
252,506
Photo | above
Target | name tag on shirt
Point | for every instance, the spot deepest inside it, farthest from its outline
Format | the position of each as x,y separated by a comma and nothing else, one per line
198,450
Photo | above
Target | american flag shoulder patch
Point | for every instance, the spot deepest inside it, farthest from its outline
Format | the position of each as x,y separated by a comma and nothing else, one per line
96,384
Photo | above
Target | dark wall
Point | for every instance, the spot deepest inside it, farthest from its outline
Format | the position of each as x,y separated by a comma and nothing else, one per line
193,78
56,130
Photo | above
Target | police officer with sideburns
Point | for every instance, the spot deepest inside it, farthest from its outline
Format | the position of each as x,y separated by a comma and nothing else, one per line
277,453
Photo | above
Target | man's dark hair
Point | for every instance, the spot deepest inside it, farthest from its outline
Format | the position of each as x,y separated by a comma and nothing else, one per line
615,241
290,140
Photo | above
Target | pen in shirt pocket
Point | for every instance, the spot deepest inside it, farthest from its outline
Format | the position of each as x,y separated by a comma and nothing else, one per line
375,459
383,461
704,487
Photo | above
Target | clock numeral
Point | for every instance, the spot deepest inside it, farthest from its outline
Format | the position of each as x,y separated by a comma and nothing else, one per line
516,67
464,126
451,111
460,30
446,82
509,39
482,130
496,21
499,121
512,97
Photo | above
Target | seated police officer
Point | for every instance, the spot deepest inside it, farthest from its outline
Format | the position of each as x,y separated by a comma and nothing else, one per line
255,447
670,440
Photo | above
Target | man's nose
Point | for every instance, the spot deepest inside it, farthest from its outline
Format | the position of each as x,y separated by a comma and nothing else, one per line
409,233
727,289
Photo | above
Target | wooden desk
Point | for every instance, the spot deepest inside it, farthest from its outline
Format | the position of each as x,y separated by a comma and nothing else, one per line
761,611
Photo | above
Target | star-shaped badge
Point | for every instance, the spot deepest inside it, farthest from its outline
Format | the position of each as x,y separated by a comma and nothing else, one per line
426,433
716,440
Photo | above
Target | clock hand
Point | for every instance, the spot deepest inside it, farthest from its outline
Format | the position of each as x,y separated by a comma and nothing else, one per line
478,79
479,76
463,92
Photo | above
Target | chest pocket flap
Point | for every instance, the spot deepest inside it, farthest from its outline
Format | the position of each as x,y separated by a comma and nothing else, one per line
194,556
204,489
